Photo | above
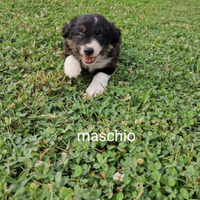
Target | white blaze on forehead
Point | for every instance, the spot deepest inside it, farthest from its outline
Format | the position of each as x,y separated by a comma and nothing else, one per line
94,44
95,20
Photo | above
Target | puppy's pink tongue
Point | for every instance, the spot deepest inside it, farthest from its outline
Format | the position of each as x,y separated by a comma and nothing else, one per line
88,59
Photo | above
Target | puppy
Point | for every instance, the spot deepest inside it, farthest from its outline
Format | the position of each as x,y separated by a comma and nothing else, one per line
93,43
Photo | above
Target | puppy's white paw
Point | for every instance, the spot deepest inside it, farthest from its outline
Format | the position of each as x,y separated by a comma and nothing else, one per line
97,85
72,67
94,89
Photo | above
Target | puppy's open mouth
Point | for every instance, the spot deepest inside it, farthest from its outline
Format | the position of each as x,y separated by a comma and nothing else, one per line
88,60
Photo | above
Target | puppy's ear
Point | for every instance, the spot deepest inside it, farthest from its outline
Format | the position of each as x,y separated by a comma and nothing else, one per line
66,30
116,34
68,27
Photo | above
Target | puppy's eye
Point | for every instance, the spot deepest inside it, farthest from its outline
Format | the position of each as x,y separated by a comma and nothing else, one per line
81,34
100,36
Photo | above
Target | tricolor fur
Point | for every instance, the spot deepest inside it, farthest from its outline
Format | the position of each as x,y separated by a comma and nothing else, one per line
93,43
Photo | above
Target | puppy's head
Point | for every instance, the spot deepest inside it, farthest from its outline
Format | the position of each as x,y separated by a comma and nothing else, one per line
90,36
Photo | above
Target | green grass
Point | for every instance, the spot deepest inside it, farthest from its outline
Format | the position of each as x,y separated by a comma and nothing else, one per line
154,93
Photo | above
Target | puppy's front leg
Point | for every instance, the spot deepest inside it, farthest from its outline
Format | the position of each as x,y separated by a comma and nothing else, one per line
72,67
98,83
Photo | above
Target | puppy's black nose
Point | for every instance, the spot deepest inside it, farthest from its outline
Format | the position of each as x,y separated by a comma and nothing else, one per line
88,51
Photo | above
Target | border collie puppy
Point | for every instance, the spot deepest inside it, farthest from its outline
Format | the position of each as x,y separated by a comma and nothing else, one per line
93,43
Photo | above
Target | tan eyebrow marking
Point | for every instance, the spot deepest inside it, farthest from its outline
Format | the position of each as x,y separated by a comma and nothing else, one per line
82,29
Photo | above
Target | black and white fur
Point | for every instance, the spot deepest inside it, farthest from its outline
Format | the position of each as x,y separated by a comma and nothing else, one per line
93,43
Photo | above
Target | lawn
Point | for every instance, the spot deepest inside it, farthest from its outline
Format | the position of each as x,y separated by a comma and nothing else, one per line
154,93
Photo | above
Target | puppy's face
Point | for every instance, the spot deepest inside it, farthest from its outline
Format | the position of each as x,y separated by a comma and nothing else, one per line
90,36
